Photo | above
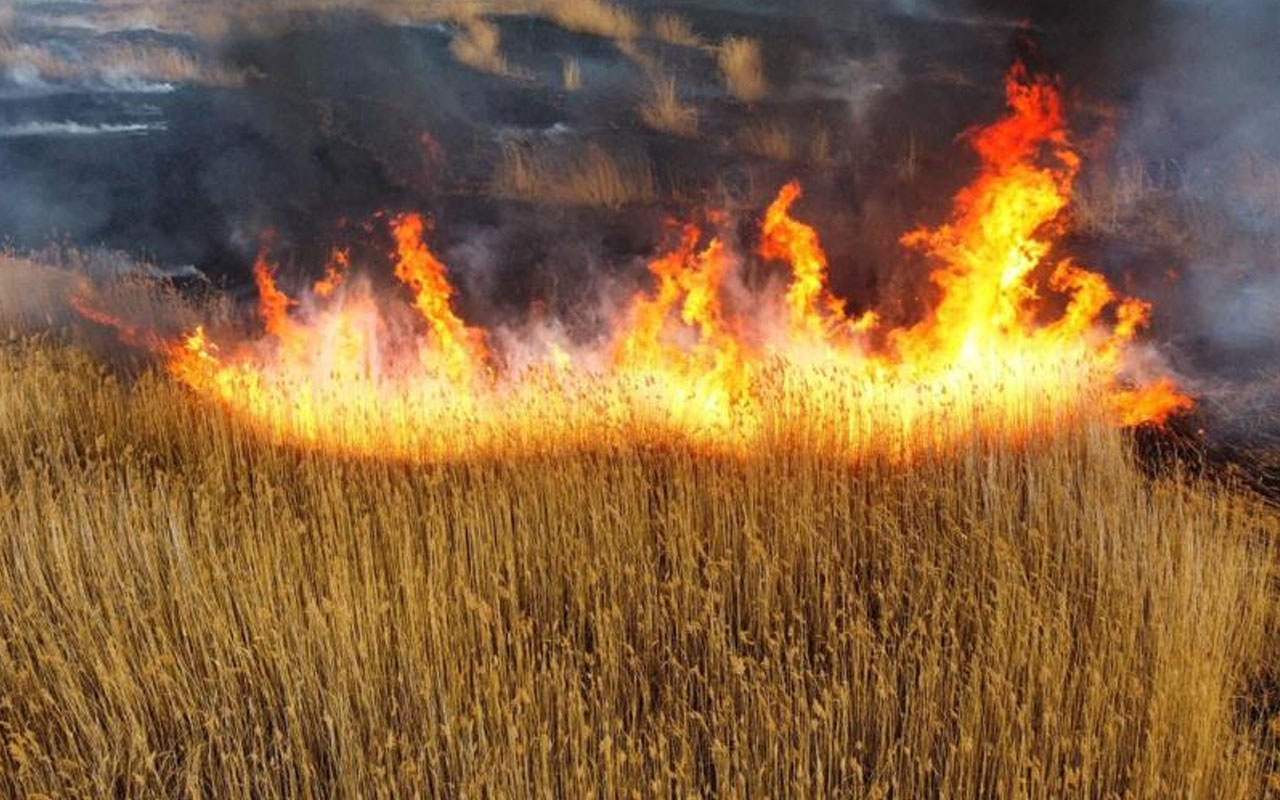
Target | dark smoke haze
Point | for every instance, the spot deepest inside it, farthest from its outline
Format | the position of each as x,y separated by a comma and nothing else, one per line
344,114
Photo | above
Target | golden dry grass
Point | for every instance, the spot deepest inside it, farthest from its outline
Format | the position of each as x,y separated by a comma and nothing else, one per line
215,19
142,62
478,45
675,29
769,139
662,110
571,74
742,67
594,17
190,611
780,141
578,175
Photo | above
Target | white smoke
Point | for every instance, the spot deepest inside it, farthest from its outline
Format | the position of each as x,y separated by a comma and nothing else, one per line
68,128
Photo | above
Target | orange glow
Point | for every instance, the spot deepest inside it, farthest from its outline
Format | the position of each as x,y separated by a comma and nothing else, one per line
677,341
1150,404
273,304
814,314
335,274
84,301
1017,341
459,350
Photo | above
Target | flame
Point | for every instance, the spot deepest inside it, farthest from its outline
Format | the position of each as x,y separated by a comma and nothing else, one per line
460,350
1014,342
814,313
678,340
1150,404
335,274
85,302
273,304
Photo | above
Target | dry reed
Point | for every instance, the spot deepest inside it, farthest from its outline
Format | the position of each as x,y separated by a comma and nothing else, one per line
571,74
742,67
663,111
128,61
674,29
577,175
188,610
594,17
478,45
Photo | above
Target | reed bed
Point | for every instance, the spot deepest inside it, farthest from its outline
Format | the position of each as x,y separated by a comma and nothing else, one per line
190,610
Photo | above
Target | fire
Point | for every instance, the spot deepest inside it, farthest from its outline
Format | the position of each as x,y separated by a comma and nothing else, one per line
815,314
273,304
459,350
1012,344
335,274
677,338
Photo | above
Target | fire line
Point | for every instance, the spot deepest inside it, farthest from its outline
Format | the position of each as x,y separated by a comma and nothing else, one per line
335,371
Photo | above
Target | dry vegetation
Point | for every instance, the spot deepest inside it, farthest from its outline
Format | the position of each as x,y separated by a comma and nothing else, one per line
571,74
591,16
139,62
1167,202
674,29
780,141
743,68
188,610
578,175
213,19
478,45
768,139
663,111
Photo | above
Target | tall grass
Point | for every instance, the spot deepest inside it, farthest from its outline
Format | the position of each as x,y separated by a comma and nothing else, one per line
674,29
115,61
595,17
571,74
779,141
188,611
478,45
662,109
575,175
742,67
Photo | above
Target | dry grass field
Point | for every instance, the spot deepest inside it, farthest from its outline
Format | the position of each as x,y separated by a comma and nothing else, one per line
188,610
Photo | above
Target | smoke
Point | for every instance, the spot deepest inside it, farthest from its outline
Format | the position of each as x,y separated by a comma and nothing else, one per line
310,118
1196,161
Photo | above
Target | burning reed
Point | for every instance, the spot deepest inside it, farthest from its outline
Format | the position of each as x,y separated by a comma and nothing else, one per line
700,357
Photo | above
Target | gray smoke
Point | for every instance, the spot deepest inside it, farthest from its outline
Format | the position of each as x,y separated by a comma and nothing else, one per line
337,113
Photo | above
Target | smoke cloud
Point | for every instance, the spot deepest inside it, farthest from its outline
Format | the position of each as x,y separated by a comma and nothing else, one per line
179,132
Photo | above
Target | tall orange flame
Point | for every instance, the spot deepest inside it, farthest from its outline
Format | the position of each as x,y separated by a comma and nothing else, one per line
678,338
990,354
273,304
460,350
